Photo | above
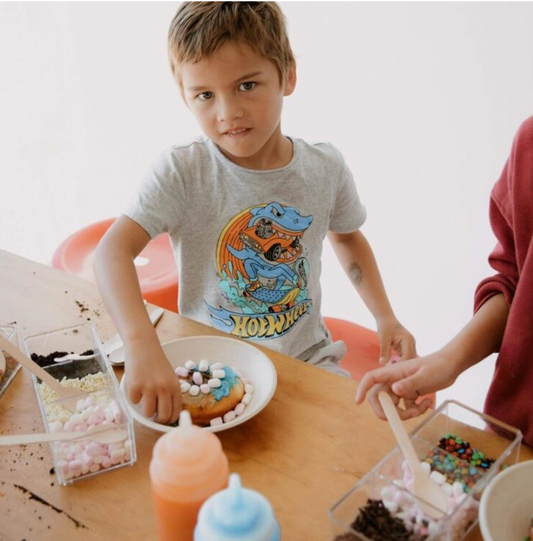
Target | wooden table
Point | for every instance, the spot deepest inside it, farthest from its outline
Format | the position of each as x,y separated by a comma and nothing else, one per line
303,451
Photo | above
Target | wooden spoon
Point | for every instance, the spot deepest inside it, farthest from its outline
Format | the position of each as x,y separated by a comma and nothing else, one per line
63,392
104,434
423,487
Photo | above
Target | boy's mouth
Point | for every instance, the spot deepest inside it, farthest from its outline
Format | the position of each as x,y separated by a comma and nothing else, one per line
241,132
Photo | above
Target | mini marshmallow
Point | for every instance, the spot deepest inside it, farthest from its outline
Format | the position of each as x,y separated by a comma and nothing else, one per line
237,371
182,372
191,365
214,383
458,489
228,417
239,409
246,399
216,366
205,388
426,468
194,390
219,374
203,366
391,506
185,387
249,388
56,426
217,421
447,489
197,378
437,477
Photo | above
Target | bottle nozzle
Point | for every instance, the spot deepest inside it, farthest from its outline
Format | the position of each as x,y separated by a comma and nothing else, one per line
185,419
235,490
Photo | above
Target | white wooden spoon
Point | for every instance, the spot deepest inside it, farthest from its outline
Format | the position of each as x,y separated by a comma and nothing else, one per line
105,434
423,487
63,392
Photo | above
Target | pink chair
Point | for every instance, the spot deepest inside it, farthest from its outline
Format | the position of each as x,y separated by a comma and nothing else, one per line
156,267
362,347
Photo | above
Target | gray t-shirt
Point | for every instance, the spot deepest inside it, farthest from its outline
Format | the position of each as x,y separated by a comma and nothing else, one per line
248,243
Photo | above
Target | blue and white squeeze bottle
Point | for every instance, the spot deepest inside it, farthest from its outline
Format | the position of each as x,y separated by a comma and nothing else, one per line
237,514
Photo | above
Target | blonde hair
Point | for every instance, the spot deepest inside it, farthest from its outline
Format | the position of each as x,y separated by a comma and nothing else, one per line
199,29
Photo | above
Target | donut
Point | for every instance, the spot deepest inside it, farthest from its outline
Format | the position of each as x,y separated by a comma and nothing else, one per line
210,391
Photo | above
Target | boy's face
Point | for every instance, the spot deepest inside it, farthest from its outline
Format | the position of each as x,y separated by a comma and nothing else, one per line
236,97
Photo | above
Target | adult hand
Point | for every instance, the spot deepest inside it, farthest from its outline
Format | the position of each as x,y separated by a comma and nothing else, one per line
409,380
393,335
152,380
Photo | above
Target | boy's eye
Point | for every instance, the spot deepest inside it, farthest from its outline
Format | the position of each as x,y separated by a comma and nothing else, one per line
247,86
204,96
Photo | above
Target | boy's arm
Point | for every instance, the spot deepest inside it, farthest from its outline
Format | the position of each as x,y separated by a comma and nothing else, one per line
356,257
478,339
150,376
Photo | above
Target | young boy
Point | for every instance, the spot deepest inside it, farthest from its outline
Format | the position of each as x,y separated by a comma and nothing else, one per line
246,207
503,318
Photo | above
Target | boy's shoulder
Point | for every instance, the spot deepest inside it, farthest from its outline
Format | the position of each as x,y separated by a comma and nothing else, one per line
321,150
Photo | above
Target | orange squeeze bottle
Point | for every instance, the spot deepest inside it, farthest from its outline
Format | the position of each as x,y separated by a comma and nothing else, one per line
188,465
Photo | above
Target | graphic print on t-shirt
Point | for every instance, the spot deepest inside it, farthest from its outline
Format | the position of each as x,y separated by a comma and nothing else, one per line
263,272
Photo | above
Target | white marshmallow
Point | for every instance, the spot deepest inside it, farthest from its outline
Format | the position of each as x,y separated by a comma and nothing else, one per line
426,468
391,506
214,383
182,371
219,374
203,366
194,390
249,389
228,417
197,378
457,489
217,421
185,386
205,388
246,399
191,365
437,477
216,366
447,489
239,409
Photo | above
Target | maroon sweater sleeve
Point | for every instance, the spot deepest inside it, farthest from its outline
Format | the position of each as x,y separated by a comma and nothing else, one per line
508,228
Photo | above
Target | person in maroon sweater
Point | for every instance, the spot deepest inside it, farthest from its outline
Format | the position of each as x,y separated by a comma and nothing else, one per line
503,313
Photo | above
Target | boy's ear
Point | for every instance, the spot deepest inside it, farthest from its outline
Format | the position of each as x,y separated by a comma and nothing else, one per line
290,85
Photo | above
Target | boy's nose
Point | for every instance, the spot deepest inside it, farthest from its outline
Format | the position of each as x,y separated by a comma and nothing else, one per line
229,110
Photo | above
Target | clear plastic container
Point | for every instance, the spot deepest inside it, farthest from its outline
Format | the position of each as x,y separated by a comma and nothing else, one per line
483,432
100,402
12,367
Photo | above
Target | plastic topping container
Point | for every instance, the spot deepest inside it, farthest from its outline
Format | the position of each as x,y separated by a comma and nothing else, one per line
462,448
99,403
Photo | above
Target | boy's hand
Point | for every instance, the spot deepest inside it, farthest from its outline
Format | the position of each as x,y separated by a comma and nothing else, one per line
409,380
393,335
152,380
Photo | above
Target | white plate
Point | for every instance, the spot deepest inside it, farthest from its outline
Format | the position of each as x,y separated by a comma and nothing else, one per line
250,361
507,504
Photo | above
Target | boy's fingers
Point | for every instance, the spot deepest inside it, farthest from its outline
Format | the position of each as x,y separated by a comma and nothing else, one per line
135,394
176,406
415,410
164,408
384,354
148,404
408,386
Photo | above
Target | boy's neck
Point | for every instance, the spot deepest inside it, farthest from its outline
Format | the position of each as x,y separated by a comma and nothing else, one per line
276,153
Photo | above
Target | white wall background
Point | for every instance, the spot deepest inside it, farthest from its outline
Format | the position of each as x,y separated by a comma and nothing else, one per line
422,98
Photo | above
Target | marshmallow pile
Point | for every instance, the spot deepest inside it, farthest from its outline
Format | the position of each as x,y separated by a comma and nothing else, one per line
74,459
402,504
205,378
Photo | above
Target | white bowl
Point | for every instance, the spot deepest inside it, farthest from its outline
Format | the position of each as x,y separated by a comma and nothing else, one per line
507,504
250,361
